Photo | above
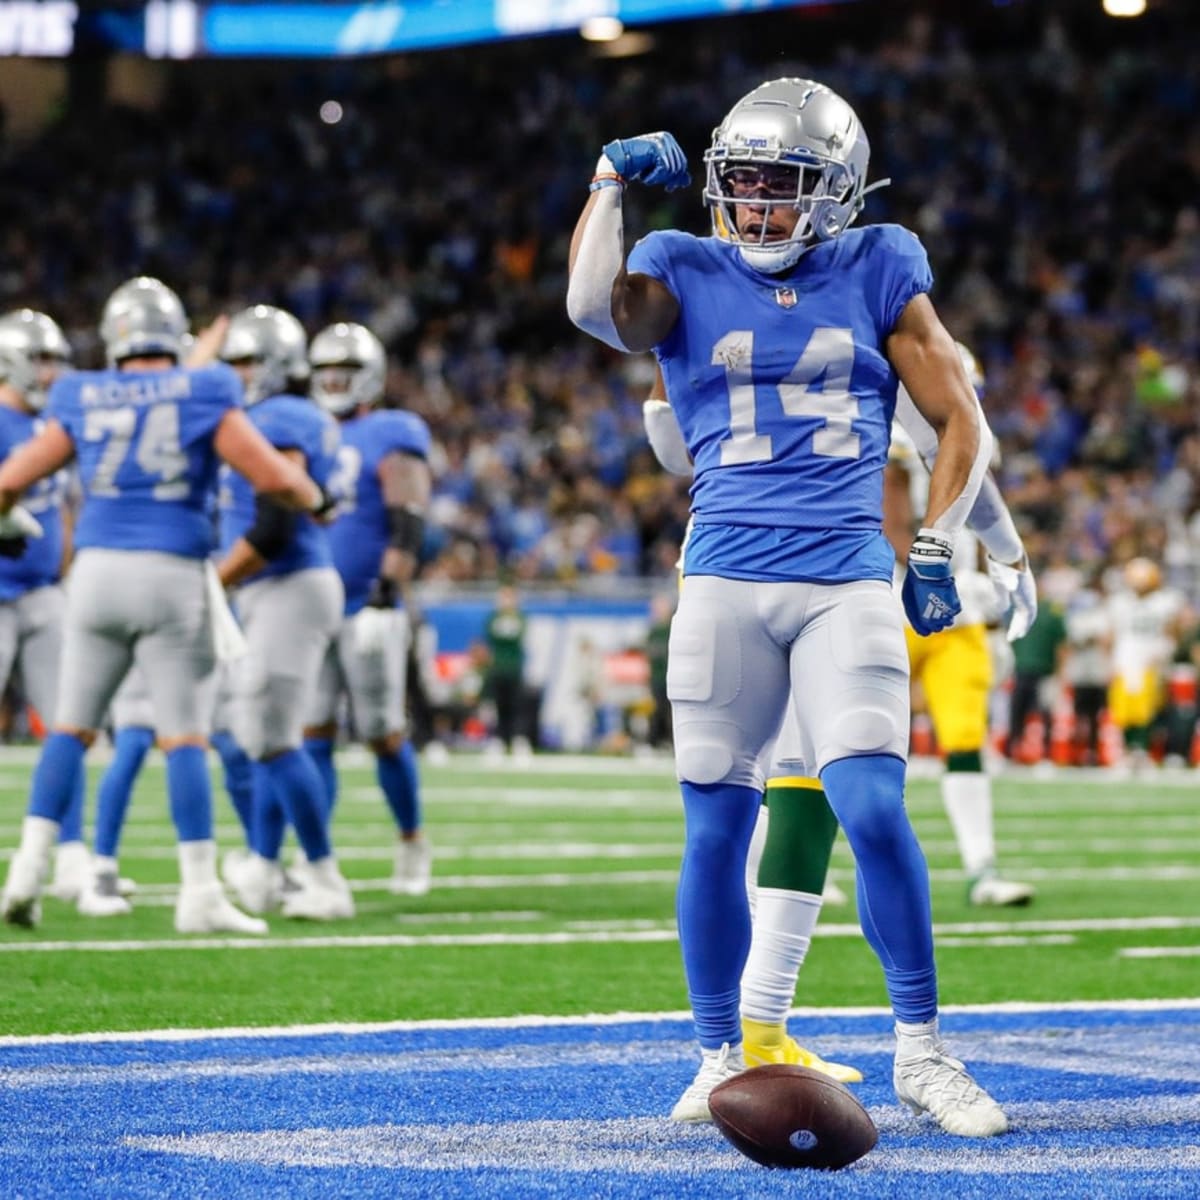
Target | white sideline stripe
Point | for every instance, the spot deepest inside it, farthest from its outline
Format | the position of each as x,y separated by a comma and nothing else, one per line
618,933
1159,952
541,1021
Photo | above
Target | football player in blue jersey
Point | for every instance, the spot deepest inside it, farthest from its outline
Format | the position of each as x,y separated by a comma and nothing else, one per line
789,857
783,338
384,477
33,353
148,436
289,599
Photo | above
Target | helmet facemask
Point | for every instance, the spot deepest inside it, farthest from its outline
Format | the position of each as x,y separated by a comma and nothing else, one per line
349,368
33,353
791,144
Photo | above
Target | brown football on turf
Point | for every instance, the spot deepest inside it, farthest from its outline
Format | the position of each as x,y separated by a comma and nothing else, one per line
785,1116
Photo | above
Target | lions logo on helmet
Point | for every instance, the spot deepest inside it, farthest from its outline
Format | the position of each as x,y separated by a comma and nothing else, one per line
271,348
33,352
349,368
143,317
794,143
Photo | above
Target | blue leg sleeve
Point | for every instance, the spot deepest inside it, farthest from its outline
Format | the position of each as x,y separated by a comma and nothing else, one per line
320,750
397,775
56,775
130,747
867,796
236,767
711,906
72,822
296,784
189,790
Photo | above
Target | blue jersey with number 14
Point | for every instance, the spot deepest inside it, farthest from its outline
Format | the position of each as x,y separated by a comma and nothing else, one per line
784,394
144,444
360,534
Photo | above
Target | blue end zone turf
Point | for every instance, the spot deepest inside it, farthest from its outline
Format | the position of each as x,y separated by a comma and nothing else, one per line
1103,1103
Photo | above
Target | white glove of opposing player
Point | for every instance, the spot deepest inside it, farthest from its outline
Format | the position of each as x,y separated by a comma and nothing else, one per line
374,628
1017,592
19,522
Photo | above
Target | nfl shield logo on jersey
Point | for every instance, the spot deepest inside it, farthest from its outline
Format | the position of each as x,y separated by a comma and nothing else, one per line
785,297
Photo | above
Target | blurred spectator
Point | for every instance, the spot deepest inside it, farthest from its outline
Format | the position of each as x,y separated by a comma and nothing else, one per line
1037,658
504,681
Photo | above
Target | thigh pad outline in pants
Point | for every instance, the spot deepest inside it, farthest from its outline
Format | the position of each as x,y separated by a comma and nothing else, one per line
727,682
289,622
38,647
376,681
850,675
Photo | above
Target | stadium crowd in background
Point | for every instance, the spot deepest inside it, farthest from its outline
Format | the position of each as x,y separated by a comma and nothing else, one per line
1060,215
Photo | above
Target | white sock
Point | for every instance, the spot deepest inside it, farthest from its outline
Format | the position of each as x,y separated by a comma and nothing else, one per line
967,796
39,836
912,1038
783,929
758,839
197,862
103,865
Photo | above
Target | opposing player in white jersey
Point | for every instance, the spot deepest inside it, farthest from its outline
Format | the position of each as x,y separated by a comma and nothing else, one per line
33,353
148,436
783,338
289,599
383,474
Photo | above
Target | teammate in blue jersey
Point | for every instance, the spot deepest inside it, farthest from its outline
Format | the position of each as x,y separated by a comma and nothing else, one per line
290,602
33,353
783,338
383,473
148,436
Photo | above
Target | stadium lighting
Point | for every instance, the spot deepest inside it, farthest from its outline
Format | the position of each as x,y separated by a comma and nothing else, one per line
1124,8
330,112
601,29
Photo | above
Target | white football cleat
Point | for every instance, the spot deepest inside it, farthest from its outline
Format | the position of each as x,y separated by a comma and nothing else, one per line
256,882
716,1067
990,891
412,874
21,902
102,897
203,908
928,1080
322,893
72,871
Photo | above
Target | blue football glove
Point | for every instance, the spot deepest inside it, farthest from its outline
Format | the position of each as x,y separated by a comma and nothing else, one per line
930,598
651,158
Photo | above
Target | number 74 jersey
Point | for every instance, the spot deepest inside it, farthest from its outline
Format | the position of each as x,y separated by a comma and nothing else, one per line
784,394
144,445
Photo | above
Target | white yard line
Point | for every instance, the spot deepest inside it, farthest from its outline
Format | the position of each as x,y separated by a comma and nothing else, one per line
1015,1007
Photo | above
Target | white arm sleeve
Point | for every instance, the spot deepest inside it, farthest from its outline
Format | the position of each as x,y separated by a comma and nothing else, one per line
924,437
666,438
599,260
994,526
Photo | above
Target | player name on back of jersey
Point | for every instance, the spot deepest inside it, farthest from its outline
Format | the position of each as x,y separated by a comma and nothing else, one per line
152,387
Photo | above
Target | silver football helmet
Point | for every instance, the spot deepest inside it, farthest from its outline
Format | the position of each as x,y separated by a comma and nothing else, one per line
143,316
790,143
33,352
349,368
275,345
